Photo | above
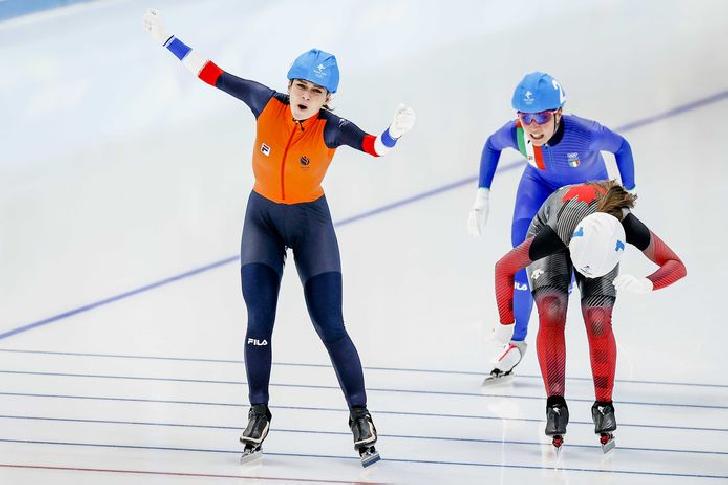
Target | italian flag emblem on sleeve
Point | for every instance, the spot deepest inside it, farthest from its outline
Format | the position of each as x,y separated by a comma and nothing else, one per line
534,155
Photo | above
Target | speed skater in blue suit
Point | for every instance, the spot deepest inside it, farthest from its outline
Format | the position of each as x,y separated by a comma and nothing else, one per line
560,150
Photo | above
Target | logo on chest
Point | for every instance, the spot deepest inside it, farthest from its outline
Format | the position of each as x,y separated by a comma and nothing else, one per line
573,159
305,161
265,149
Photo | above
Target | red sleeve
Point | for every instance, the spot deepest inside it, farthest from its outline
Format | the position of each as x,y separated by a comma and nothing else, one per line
367,144
210,73
671,267
505,271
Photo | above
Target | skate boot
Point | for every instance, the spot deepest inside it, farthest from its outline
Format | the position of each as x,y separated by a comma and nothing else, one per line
259,418
509,356
365,435
604,424
557,417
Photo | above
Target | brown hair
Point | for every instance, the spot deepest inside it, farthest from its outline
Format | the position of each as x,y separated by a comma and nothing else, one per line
614,198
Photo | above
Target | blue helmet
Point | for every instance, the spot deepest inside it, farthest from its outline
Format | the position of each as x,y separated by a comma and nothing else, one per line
538,92
316,66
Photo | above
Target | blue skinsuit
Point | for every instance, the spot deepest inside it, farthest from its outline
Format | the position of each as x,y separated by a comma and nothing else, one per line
571,156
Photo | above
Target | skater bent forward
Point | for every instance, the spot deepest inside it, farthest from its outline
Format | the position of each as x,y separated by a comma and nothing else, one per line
585,227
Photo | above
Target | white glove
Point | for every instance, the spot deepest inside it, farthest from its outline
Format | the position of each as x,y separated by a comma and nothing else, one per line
502,332
404,120
627,282
479,213
153,25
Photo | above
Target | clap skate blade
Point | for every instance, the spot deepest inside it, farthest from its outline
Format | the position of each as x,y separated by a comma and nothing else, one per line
607,441
251,454
368,455
496,376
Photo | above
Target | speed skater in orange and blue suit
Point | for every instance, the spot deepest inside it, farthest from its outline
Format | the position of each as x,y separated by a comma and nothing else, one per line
297,137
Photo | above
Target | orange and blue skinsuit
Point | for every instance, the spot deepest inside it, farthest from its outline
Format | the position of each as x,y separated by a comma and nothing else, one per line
287,209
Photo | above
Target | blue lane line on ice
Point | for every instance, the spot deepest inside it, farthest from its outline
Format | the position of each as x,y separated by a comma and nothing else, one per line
121,296
342,433
336,388
676,111
328,366
345,411
400,460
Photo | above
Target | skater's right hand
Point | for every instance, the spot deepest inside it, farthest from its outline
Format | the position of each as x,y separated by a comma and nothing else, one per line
478,215
153,24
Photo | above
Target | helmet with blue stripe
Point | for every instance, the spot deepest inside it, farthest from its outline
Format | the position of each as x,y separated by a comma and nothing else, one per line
316,66
597,244
538,92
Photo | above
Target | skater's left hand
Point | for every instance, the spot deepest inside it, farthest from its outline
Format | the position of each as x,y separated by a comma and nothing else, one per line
502,332
633,284
404,120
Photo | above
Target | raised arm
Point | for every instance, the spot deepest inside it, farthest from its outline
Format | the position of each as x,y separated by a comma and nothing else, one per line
254,94
340,131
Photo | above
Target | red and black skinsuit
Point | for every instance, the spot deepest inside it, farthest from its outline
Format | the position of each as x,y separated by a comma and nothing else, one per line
545,253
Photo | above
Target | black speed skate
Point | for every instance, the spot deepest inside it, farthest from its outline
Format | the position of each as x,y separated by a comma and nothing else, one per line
365,435
557,417
259,418
604,424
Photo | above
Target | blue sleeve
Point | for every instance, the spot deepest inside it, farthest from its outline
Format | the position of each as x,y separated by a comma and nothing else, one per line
254,94
339,131
606,139
503,138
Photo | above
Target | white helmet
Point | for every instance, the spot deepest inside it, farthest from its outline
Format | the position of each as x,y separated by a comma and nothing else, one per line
597,244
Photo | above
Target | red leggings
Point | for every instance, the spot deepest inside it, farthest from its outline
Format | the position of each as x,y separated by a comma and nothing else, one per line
597,311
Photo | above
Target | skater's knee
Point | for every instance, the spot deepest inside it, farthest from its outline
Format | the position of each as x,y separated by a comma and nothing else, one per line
551,306
331,333
598,318
599,328
324,301
260,291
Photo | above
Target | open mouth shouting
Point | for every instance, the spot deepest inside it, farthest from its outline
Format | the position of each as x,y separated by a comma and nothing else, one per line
536,137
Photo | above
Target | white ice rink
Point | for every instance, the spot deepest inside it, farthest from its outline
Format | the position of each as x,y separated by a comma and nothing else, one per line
123,182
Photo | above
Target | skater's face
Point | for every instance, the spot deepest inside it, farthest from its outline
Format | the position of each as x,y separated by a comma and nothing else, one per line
540,133
306,98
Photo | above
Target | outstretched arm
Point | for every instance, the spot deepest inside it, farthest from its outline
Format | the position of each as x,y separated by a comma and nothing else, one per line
340,131
254,94
402,122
